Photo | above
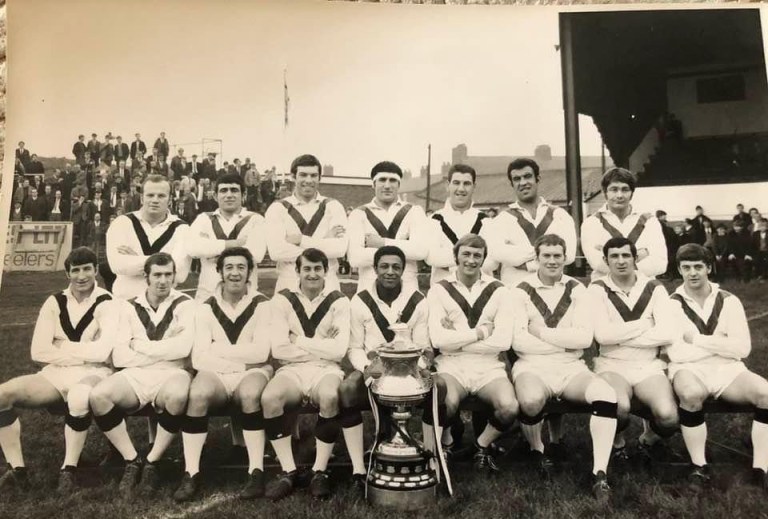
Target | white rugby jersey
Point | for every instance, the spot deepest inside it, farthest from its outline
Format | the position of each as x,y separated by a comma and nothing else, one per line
148,337
722,333
562,313
370,318
207,237
402,225
314,220
447,226
513,232
488,301
309,323
68,333
631,326
131,230
641,229
230,338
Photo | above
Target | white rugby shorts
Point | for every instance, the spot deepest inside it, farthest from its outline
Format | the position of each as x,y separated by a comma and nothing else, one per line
473,374
147,382
64,377
230,381
715,377
307,375
632,371
556,376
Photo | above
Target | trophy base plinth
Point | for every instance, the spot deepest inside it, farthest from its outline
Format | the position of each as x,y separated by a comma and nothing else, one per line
401,499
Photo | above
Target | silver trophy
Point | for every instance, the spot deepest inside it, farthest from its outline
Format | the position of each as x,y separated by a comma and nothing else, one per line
400,475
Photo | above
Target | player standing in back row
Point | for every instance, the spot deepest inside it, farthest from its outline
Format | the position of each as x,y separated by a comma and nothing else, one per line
304,220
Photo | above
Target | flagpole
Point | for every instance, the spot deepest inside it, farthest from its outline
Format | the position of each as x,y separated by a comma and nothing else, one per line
429,175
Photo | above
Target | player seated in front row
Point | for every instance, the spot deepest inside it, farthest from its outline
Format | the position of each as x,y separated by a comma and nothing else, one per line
632,322
553,327
230,354
151,344
706,361
471,322
310,336
372,311
70,340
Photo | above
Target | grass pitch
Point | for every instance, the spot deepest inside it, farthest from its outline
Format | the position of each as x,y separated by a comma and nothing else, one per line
518,491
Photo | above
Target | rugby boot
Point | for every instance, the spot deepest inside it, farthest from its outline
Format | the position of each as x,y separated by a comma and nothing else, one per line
150,479
131,476
557,452
112,458
544,464
600,488
67,482
15,478
760,478
359,481
254,487
187,491
699,478
484,461
283,486
320,486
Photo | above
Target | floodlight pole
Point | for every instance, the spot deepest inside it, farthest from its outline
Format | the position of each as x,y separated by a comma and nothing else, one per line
429,176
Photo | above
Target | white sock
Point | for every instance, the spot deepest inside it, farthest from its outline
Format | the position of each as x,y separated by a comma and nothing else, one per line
446,437
695,439
532,434
74,441
193,449
10,443
255,442
760,445
284,452
151,429
323,453
618,440
489,434
602,429
122,442
353,437
163,439
428,437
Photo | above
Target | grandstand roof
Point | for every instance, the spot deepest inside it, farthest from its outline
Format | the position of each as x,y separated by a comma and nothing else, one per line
622,60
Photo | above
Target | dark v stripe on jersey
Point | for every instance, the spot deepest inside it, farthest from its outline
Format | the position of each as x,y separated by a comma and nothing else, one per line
381,320
473,312
306,228
707,328
218,231
533,233
156,332
234,329
75,333
551,318
391,231
146,248
626,313
310,324
633,235
452,235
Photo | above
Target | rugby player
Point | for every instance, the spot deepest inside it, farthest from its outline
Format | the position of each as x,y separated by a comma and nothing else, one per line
372,312
230,354
152,345
549,341
471,323
135,236
304,220
617,219
513,232
387,220
310,336
632,320
231,225
453,221
70,338
706,362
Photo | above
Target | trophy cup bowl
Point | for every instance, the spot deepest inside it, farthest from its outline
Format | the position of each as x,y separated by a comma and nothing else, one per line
401,476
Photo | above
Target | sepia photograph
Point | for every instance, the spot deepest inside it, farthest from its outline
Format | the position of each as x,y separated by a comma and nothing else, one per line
326,259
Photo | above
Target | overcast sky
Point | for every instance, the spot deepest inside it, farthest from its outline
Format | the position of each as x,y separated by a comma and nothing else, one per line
367,82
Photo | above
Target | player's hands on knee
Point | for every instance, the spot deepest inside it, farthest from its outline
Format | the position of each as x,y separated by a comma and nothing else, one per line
332,332
447,323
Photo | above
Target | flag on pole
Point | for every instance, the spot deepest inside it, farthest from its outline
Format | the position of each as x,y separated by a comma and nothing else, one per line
285,96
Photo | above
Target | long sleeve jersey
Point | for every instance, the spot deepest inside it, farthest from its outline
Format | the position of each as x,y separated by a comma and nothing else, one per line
207,239
641,229
156,338
447,227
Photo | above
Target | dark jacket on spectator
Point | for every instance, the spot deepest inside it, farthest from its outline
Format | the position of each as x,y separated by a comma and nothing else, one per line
739,244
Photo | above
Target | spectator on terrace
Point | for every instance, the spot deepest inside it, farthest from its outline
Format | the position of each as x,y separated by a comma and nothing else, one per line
670,239
35,207
23,155
107,153
16,214
162,145
18,169
754,217
94,149
721,252
742,215
208,203
739,250
698,225
79,150
97,241
35,167
689,233
760,249
58,208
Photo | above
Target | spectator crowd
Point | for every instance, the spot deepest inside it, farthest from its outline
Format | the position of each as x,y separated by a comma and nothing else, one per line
104,181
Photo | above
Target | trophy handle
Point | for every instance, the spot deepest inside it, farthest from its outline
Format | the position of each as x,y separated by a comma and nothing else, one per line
375,411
